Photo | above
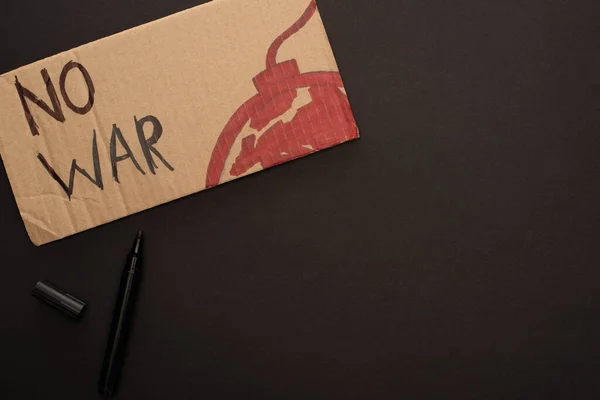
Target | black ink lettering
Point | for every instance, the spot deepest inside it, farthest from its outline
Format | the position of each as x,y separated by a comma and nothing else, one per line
74,167
88,81
24,93
114,159
147,144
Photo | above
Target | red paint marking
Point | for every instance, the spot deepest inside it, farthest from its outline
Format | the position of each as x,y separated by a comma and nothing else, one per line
306,16
326,121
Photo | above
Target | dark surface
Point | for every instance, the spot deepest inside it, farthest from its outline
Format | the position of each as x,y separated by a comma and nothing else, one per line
451,253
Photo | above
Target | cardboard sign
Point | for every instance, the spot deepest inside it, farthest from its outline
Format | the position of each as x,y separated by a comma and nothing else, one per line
168,109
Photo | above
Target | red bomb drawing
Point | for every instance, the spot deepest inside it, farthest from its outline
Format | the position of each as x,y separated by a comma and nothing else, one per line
326,121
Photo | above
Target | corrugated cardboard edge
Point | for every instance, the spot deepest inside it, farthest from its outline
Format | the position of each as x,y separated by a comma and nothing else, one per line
106,38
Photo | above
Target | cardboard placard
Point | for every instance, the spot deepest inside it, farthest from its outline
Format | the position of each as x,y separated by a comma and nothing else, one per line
168,109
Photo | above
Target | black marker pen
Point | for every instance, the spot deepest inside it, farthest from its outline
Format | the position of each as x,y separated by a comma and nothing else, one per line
119,329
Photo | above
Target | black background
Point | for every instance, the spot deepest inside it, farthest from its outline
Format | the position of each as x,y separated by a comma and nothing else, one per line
452,252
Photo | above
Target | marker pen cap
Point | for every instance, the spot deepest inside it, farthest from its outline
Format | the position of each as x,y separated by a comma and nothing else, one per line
58,299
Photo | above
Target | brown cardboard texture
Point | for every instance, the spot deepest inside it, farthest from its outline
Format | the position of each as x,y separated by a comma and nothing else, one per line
168,109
